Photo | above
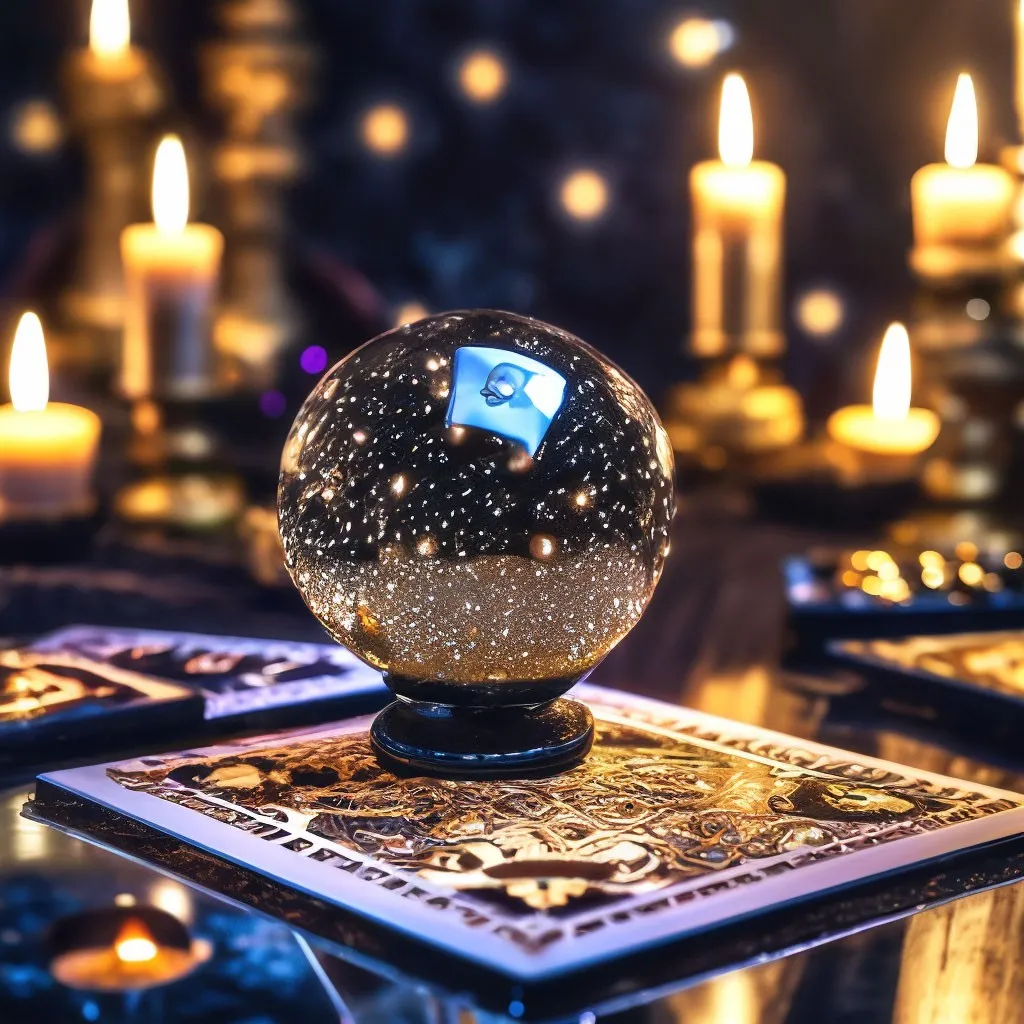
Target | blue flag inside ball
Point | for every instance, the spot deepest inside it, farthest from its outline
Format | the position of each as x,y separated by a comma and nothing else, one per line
506,393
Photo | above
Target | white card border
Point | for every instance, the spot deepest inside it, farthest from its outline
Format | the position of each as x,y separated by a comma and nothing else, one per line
327,883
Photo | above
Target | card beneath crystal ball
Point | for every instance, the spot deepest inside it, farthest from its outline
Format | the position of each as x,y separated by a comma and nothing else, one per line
677,825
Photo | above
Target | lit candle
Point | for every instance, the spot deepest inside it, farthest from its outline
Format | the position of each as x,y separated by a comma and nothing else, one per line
47,449
171,269
889,426
133,961
962,209
737,239
110,55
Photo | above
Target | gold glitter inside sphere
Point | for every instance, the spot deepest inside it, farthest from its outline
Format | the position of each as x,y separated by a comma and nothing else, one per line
477,501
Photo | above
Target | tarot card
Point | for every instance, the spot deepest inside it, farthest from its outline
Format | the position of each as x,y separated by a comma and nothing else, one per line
63,700
677,824
235,676
978,677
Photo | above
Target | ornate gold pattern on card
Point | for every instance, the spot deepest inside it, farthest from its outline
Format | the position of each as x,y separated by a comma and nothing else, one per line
665,810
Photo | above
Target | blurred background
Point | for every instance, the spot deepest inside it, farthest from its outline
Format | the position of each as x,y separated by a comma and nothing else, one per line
534,156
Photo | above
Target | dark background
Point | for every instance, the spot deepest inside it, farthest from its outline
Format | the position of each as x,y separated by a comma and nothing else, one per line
850,97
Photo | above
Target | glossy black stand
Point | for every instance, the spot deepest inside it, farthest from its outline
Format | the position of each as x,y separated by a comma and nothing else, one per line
482,742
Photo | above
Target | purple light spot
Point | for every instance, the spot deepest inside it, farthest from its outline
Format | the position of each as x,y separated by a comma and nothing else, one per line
273,404
314,359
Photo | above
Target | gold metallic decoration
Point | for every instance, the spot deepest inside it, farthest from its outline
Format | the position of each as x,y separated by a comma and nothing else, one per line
667,804
257,76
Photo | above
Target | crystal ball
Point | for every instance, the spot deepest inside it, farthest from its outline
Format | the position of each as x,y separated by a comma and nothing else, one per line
478,504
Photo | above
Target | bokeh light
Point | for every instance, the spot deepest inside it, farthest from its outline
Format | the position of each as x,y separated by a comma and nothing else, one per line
483,76
695,41
584,194
35,127
978,309
410,312
273,404
819,312
385,129
314,359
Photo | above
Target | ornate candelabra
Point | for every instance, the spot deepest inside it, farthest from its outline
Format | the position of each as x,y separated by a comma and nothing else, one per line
257,77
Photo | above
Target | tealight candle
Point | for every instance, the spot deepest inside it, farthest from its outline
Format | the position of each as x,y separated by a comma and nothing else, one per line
962,209
737,239
889,426
123,949
47,449
171,269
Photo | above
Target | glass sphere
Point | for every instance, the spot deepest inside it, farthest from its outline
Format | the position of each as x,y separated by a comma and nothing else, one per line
478,504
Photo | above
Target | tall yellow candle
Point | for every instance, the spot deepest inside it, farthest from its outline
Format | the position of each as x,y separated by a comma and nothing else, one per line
171,269
47,449
962,209
737,240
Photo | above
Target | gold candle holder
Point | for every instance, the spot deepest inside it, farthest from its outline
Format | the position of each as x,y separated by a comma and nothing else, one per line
257,77
114,92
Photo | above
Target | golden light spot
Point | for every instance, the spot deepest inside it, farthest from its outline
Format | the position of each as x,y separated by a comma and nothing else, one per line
820,312
385,129
134,944
966,551
520,461
876,559
457,434
543,546
426,546
859,560
871,585
888,571
581,499
895,590
992,583
933,577
327,494
851,578
931,558
359,436
399,485
36,127
584,194
971,574
368,620
483,76
1013,560
695,42
410,312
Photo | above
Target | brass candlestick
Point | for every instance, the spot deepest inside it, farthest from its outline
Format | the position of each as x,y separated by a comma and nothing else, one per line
114,93
257,77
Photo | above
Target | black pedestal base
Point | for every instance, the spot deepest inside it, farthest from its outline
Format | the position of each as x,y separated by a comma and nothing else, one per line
483,743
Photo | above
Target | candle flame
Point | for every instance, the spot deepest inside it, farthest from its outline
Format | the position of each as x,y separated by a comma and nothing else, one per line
170,185
109,28
735,123
134,944
891,396
29,374
962,126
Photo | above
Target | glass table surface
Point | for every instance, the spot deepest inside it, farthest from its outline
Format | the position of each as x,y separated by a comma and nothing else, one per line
712,639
